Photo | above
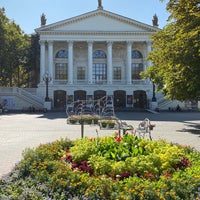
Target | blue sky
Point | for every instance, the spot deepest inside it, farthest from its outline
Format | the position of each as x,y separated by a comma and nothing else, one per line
26,13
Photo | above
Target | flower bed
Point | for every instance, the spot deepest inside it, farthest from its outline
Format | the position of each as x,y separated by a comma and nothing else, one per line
107,168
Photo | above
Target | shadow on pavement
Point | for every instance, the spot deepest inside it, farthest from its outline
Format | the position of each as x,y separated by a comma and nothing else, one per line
53,115
161,116
192,128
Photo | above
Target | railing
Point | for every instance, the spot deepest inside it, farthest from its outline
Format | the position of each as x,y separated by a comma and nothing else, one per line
23,93
6,89
28,95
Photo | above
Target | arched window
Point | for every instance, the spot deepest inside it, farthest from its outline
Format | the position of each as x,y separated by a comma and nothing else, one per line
99,54
62,54
136,54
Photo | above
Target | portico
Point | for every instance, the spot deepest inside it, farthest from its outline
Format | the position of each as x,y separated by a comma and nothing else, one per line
48,59
94,54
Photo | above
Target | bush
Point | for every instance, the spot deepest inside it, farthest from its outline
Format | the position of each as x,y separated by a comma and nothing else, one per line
105,168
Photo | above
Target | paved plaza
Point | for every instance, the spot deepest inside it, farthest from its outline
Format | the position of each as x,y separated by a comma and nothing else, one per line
19,131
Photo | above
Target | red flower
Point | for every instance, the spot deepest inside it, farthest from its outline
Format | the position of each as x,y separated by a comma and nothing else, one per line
68,158
118,139
168,175
74,165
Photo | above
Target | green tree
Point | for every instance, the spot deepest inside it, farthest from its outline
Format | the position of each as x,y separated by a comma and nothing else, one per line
14,49
176,52
34,60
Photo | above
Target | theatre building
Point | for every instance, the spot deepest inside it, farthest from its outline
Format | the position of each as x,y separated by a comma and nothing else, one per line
96,54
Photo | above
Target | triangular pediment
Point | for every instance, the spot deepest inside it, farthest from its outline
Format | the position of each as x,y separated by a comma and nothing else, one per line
97,21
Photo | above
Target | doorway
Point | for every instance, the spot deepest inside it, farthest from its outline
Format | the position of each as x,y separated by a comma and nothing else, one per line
140,99
60,99
119,99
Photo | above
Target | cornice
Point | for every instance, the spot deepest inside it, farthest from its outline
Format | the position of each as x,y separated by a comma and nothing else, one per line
90,33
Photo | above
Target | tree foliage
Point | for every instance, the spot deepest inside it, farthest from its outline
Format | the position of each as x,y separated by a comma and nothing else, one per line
34,60
14,51
176,52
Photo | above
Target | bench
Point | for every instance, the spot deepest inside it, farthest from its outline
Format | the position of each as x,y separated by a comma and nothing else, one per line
144,129
122,125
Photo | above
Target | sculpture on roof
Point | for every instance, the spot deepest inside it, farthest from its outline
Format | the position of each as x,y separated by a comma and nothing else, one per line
43,20
100,4
155,20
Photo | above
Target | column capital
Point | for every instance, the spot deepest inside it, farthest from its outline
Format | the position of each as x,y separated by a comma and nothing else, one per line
109,42
148,42
42,42
129,42
90,42
50,42
70,42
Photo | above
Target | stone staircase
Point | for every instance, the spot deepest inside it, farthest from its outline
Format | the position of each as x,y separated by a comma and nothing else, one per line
23,97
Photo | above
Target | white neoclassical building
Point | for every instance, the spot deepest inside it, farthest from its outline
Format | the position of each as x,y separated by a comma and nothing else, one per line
96,54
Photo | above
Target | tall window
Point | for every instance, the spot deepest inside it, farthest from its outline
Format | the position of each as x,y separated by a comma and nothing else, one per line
99,70
136,69
61,66
61,71
117,73
81,73
137,64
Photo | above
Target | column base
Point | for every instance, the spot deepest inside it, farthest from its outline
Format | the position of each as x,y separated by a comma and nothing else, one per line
47,105
198,105
154,105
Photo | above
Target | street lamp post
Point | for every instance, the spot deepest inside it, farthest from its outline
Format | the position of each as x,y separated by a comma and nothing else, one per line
47,79
154,94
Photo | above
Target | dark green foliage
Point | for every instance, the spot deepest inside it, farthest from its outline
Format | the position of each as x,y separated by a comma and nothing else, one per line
176,52
14,49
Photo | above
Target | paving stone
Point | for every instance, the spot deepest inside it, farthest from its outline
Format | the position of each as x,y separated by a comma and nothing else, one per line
19,131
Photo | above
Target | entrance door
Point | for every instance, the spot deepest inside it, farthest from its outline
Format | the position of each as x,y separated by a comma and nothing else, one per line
60,99
98,94
79,95
140,99
119,99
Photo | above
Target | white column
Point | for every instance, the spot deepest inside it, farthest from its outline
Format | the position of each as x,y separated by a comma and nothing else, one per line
128,63
90,50
42,60
109,62
70,62
50,60
148,63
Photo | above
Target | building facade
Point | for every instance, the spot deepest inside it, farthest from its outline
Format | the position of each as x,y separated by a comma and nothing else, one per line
93,55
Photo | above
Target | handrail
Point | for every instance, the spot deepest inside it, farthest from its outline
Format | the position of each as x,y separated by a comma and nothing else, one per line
28,94
23,93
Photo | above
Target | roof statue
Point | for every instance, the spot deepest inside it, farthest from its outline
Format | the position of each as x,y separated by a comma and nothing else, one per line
100,4
43,20
155,20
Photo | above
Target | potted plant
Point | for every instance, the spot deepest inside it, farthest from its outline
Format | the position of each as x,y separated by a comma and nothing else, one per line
87,119
107,123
